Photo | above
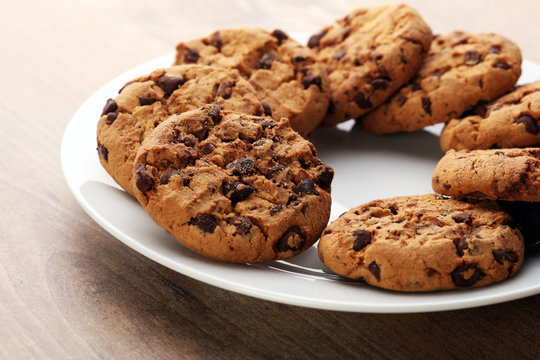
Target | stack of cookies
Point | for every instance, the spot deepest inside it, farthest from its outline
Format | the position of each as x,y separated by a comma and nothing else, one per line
215,147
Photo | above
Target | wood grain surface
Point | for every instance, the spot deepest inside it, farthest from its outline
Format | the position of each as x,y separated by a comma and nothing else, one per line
69,290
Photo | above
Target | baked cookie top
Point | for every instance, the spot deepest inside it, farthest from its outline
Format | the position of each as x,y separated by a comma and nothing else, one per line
369,54
283,72
461,70
512,120
233,187
498,174
423,243
146,101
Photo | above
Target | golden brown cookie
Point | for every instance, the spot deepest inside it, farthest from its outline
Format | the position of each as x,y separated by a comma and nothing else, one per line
283,72
145,102
233,187
509,121
423,243
497,174
461,70
370,53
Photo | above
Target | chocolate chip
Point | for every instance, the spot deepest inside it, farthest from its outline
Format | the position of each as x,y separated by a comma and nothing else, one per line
276,209
243,225
447,186
471,58
312,80
462,218
362,238
291,240
207,148
236,191
225,89
146,100
501,65
361,101
110,106
242,166
215,40
531,126
380,83
458,275
279,35
375,270
274,170
393,209
207,223
461,245
338,55
266,61
143,181
307,186
266,108
169,83
165,178
103,152
495,49
201,134
324,179
426,105
502,255
111,117
268,125
299,58
416,87
213,110
315,40
191,56
189,140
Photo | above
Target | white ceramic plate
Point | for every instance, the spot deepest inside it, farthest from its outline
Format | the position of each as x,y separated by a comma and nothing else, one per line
367,167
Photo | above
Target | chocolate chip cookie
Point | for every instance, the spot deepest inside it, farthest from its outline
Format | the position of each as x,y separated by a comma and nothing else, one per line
498,174
513,120
424,243
460,71
233,187
369,54
146,101
283,72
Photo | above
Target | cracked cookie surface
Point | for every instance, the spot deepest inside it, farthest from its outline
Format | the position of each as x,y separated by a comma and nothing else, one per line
234,187
146,101
423,243
460,71
498,174
369,54
283,72
512,120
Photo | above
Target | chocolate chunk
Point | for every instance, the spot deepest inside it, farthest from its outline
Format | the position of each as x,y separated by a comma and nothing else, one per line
103,152
471,58
362,238
242,166
215,40
213,110
375,270
309,80
380,83
266,61
166,177
501,65
276,209
307,186
426,105
279,35
169,83
191,56
361,101
338,55
458,275
225,89
462,218
315,40
324,179
207,223
243,225
143,181
502,255
266,108
236,191
461,245
274,170
111,117
110,106
531,126
146,100
291,240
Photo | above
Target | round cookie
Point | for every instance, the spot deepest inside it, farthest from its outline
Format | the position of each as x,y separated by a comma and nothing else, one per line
497,174
423,243
283,72
145,102
370,53
233,187
512,120
460,71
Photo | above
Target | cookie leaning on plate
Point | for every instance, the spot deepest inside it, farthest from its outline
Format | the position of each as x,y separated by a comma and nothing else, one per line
423,243
145,102
461,70
497,174
510,121
283,72
369,54
233,187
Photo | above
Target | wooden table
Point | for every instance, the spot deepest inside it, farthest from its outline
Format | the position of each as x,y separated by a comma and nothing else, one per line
68,289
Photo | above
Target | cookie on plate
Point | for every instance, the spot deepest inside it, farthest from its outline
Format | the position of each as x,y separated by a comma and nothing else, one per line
512,120
497,174
423,243
233,187
283,72
145,102
461,70
370,53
